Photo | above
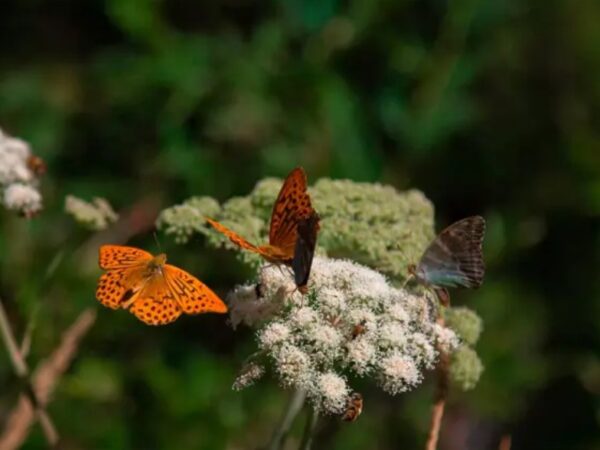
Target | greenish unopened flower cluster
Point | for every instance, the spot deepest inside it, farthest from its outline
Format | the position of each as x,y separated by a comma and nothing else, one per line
95,215
307,341
465,366
368,223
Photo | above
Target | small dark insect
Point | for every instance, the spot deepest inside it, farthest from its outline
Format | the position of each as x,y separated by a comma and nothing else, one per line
36,165
305,250
453,259
258,290
354,407
359,329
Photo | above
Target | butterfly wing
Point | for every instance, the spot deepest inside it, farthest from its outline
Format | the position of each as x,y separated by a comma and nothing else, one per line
155,304
235,238
193,296
455,257
292,205
304,250
122,257
124,276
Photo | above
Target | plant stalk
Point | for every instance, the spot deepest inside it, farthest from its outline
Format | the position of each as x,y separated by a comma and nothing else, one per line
309,429
281,432
22,371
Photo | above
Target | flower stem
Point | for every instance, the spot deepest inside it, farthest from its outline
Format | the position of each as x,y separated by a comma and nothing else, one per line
22,371
294,406
437,412
309,429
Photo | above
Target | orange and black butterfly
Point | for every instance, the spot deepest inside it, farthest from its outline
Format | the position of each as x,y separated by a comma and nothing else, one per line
354,407
292,206
453,259
156,292
305,251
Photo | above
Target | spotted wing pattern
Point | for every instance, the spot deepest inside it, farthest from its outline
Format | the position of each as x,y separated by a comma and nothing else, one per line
305,250
156,293
155,304
292,205
455,257
193,296
120,257
110,290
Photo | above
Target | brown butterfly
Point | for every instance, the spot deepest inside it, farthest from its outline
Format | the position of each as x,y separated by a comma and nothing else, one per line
453,259
354,407
305,251
292,206
359,329
36,165
156,292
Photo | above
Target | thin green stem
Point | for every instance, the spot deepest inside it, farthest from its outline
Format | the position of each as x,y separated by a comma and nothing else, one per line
294,406
309,429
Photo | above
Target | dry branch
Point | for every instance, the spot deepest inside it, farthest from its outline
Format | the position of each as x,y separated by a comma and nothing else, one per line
44,380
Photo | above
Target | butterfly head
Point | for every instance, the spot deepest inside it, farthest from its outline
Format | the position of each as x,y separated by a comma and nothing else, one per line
157,263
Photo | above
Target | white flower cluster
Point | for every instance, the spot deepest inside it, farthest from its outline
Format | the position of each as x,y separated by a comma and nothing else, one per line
352,322
18,182
96,215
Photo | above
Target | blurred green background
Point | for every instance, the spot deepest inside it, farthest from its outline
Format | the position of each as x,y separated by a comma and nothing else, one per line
489,107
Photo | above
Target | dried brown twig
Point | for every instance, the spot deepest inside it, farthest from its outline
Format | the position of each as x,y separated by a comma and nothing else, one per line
441,393
43,382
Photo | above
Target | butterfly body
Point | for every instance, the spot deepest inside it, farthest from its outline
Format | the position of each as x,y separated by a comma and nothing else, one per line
305,251
454,258
157,293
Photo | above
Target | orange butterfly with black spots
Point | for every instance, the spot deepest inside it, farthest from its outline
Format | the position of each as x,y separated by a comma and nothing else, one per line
292,206
156,292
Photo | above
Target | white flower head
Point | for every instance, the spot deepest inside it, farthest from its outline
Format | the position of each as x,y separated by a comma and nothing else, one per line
331,392
446,338
397,312
392,334
22,197
293,366
16,147
361,354
18,183
245,306
325,342
273,334
304,317
399,373
352,322
250,373
423,348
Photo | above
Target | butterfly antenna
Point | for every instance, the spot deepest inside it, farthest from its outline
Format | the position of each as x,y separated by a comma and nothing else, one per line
157,241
